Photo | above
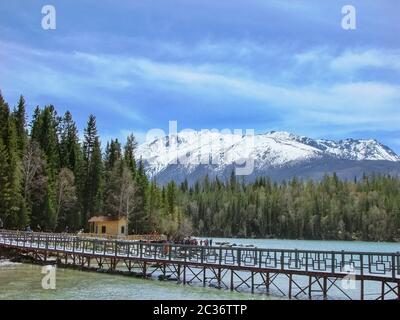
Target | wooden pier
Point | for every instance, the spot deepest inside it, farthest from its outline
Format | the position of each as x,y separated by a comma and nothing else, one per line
294,274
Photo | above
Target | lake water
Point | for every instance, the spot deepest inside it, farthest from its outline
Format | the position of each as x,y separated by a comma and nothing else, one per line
23,281
356,246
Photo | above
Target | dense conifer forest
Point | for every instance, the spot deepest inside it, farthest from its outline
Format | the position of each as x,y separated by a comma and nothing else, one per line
52,181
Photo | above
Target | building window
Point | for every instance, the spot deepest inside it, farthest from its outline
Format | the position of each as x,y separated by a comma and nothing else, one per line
97,229
123,230
103,229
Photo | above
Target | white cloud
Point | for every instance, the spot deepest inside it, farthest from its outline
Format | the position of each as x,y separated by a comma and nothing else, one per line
98,77
351,60
63,76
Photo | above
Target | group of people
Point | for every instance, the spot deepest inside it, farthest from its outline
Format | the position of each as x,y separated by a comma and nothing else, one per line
186,241
194,242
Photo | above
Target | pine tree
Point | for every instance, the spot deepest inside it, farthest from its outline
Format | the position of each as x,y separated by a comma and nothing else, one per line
86,189
129,154
5,190
92,172
45,132
153,208
20,124
137,220
70,151
16,177
113,154
96,174
171,199
71,158
14,209
4,120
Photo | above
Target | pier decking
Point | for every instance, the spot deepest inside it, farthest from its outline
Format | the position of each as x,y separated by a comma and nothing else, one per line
300,274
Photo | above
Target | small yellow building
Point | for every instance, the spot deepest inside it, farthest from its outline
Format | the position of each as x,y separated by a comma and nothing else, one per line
106,225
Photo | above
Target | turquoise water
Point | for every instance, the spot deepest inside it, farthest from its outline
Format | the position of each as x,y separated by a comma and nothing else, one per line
23,281
316,244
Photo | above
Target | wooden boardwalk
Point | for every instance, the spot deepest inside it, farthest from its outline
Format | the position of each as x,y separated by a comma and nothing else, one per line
300,274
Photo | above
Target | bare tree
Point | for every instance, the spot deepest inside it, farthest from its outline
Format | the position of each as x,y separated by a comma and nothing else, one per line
66,196
121,192
33,164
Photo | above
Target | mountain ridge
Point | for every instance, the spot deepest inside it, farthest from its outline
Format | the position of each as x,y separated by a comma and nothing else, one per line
196,153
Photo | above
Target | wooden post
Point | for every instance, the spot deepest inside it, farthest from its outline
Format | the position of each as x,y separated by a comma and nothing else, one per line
252,282
306,261
46,245
204,276
362,277
232,279
362,289
398,290
164,270
393,266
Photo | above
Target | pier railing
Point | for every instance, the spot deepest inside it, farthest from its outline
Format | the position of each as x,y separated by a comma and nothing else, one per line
374,264
137,237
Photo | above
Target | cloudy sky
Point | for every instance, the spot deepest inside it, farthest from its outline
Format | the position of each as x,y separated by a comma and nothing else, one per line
237,64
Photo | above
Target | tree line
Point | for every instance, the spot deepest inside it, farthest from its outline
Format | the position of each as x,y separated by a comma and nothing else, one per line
368,209
52,181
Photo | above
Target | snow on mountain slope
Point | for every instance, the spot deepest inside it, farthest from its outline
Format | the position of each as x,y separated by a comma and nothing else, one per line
270,150
349,149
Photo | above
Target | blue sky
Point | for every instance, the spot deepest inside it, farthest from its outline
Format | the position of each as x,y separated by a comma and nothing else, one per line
236,64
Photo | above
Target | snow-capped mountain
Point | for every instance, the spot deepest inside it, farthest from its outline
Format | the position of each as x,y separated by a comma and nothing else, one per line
279,155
